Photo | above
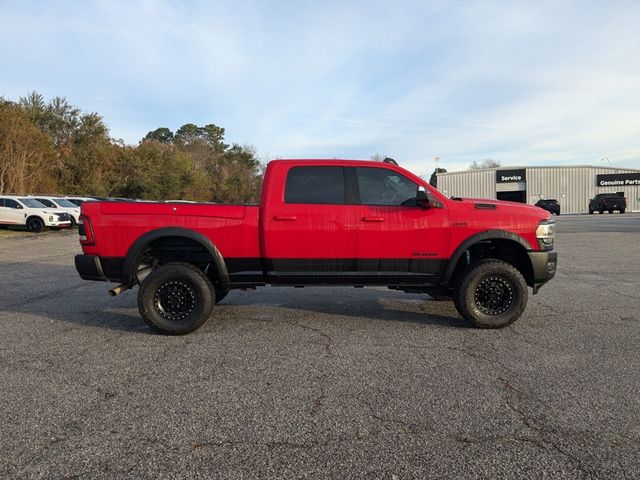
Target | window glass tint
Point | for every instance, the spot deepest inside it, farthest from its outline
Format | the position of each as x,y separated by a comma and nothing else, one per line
64,203
315,185
45,202
31,203
379,186
9,203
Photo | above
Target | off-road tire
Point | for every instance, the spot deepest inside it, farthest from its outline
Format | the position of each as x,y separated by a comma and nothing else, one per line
176,298
35,224
490,293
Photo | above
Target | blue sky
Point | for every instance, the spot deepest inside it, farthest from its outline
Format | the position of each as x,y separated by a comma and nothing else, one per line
524,83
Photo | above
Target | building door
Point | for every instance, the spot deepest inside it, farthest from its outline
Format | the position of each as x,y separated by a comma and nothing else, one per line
513,196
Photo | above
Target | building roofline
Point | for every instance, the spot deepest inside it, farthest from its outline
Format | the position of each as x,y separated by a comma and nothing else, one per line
521,167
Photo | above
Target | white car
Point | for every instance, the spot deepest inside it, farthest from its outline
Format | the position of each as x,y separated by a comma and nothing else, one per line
61,204
30,213
78,200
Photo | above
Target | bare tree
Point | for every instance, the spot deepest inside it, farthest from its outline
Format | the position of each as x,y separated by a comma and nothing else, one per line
486,163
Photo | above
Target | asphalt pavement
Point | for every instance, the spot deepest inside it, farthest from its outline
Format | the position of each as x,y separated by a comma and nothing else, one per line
323,382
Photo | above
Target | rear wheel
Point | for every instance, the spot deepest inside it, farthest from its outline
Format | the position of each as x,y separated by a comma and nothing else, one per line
590,212
622,210
35,224
600,212
491,294
176,298
610,211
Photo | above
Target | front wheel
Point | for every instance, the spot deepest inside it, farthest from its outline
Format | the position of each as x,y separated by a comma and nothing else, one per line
176,298
491,294
35,224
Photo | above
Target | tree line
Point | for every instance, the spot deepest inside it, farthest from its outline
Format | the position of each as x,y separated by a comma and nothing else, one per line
54,147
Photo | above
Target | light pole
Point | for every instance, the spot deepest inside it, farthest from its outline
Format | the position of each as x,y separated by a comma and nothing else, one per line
606,159
436,160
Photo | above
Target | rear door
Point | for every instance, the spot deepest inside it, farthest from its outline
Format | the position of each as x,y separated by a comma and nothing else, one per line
309,230
397,241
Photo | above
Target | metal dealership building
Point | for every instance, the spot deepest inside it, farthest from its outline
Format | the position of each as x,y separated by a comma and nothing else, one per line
572,186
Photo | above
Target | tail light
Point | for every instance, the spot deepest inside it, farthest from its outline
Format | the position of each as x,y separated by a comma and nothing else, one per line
85,231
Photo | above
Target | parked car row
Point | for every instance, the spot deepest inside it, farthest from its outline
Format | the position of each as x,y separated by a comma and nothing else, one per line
602,202
37,212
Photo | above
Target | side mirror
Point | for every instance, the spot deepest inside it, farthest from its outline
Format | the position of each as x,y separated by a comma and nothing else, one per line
421,198
19,207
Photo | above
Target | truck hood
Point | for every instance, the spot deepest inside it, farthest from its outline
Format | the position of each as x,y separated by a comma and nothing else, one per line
502,207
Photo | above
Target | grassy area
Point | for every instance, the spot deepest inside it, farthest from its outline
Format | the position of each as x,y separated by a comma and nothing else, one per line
22,233
5,232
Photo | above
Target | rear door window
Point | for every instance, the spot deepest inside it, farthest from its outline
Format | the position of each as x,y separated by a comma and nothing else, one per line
315,185
9,203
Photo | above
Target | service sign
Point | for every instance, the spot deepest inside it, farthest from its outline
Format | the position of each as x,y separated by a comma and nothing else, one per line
618,179
506,176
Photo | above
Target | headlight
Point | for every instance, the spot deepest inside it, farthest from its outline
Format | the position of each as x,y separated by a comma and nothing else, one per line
546,233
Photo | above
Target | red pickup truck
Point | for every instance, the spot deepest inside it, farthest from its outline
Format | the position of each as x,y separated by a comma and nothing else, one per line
321,222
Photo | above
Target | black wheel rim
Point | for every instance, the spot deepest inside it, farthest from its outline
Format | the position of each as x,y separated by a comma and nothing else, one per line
175,300
34,225
494,295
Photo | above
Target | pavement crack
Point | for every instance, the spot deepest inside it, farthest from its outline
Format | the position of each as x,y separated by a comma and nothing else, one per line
545,442
318,402
406,427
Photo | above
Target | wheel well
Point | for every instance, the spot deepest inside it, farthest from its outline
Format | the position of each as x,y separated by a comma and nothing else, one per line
501,249
179,249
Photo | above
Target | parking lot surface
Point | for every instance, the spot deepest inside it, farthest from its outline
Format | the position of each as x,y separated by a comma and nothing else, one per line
324,382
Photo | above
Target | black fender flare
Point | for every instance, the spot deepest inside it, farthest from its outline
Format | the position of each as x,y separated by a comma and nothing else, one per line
478,237
136,250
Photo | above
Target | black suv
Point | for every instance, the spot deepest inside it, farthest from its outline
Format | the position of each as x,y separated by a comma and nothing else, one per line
551,205
608,202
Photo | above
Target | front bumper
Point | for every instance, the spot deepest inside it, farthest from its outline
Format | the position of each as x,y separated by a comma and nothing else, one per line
544,267
62,220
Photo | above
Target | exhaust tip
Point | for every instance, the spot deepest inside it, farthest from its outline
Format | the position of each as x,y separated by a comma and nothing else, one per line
118,290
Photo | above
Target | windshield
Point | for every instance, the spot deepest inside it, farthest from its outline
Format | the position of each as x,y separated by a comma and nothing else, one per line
31,203
64,203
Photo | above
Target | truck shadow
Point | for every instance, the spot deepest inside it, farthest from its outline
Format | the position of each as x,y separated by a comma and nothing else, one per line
54,292
375,304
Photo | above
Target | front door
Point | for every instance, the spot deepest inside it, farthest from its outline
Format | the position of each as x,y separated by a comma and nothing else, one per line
10,212
309,232
397,241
